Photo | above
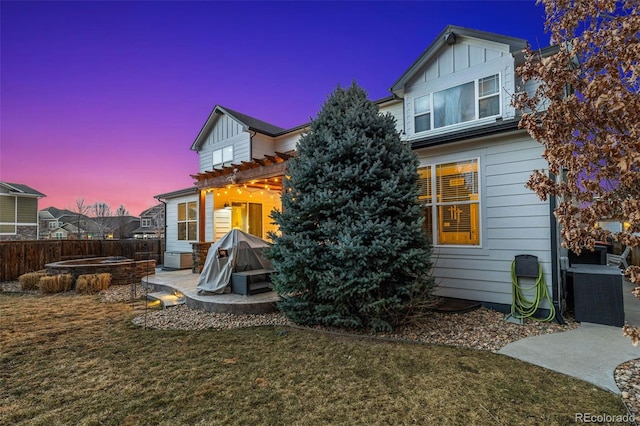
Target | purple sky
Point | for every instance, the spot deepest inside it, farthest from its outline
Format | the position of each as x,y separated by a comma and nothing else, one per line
102,100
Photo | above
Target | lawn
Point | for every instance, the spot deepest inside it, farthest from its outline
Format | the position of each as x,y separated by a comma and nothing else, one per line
69,359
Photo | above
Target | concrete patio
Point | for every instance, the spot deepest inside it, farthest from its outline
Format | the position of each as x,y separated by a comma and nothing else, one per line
184,282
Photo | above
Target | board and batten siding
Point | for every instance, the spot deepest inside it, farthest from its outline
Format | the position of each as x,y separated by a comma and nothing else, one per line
513,220
225,132
465,61
173,245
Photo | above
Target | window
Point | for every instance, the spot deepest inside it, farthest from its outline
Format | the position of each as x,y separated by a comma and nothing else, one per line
145,223
466,102
451,206
188,221
53,224
422,108
454,105
223,156
488,96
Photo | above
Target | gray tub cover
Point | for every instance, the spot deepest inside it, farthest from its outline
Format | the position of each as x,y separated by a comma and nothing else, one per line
236,251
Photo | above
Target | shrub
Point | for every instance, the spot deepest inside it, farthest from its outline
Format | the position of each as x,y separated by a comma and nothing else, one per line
55,283
31,280
93,283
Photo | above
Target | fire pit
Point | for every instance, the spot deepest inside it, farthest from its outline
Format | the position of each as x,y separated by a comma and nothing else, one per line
123,270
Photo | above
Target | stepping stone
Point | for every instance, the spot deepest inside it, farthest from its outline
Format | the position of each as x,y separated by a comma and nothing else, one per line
167,299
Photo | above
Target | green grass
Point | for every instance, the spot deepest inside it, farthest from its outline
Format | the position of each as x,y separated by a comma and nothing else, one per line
69,359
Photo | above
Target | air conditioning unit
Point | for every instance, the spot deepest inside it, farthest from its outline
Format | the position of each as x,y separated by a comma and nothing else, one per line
178,260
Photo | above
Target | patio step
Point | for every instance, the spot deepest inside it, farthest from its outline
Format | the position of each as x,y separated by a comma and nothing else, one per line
167,299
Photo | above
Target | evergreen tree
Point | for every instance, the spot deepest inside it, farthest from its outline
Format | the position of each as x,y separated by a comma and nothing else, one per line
351,251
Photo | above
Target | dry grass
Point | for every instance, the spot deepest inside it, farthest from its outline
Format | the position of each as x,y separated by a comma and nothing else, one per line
68,359
31,280
92,283
55,283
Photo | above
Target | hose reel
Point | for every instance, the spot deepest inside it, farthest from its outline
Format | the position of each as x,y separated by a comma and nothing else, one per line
527,266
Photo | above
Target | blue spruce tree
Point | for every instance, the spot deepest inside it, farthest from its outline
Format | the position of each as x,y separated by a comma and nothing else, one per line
351,251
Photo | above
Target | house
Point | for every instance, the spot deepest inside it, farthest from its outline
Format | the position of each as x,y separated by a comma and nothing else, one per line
453,104
116,227
18,212
66,224
56,224
151,223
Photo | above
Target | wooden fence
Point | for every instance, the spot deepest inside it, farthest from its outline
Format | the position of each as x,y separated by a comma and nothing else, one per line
19,257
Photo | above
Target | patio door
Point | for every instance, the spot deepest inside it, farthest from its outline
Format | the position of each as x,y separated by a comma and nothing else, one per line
247,217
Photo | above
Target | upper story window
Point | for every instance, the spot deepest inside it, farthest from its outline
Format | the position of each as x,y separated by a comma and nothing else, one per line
223,156
422,108
145,223
53,224
458,104
451,205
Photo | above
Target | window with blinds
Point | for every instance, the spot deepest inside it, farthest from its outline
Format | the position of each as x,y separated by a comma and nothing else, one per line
451,206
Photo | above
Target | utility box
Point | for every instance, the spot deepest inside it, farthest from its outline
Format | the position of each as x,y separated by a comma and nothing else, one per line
597,294
178,260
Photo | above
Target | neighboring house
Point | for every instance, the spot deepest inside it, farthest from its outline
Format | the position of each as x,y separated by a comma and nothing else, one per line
18,212
151,223
66,224
453,104
116,227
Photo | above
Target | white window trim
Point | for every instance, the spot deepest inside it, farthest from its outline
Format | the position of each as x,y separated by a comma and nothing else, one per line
462,124
186,221
145,223
225,158
434,205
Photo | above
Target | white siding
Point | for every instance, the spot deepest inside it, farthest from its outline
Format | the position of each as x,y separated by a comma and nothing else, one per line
465,61
397,111
466,53
513,220
225,132
173,245
287,142
209,219
261,145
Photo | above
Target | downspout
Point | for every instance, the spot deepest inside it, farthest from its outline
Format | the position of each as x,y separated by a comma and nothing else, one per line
164,233
251,144
555,273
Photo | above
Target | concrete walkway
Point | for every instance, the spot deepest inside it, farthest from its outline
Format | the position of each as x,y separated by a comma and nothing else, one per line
590,353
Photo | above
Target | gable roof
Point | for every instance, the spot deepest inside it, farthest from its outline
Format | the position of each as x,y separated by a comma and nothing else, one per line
179,193
153,211
20,189
248,122
448,36
254,124
59,213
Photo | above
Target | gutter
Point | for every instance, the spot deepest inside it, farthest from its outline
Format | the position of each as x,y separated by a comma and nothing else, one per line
555,281
498,127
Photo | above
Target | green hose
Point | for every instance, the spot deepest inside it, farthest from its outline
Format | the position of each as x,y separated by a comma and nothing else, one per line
521,307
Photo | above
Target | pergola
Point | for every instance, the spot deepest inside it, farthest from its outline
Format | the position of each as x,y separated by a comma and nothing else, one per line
259,174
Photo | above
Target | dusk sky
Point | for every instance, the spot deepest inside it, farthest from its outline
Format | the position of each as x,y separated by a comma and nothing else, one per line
102,100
